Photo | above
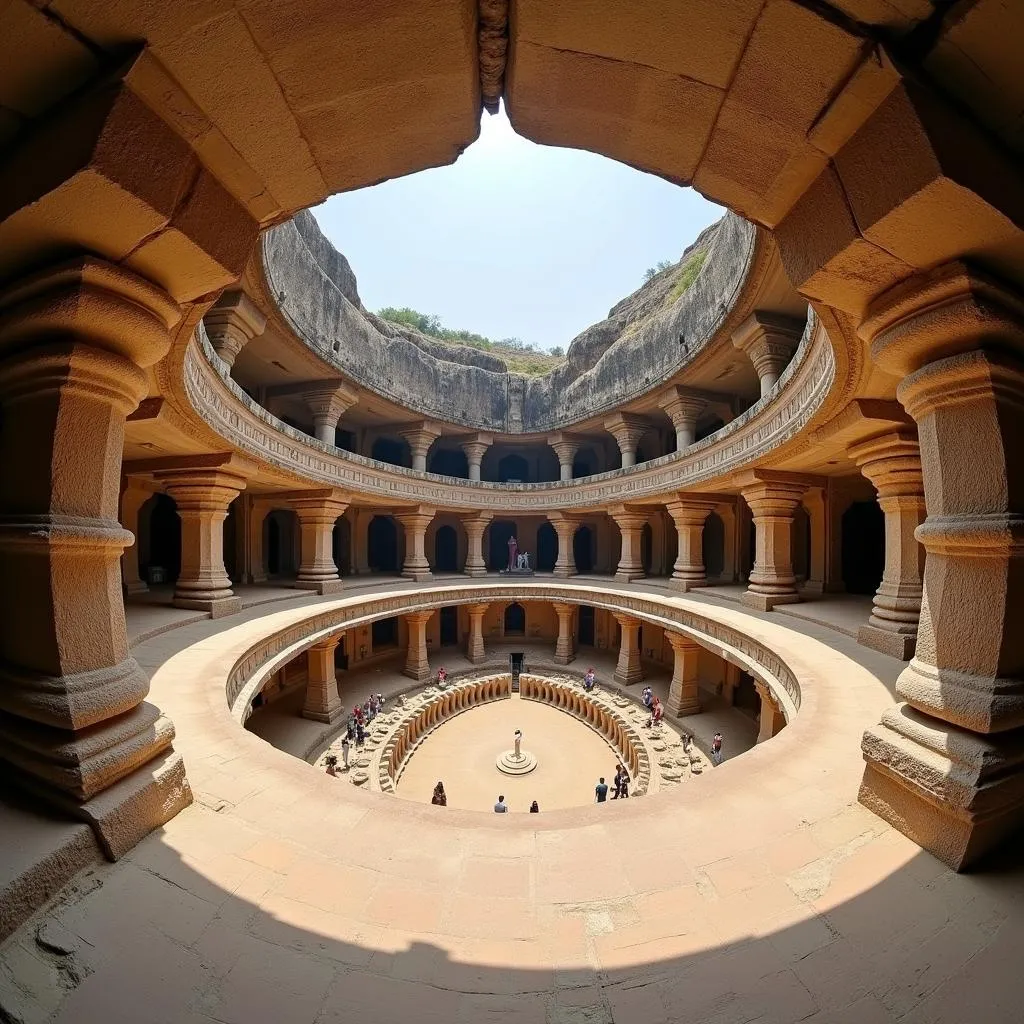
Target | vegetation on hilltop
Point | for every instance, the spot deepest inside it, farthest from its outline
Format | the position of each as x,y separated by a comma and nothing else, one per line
520,356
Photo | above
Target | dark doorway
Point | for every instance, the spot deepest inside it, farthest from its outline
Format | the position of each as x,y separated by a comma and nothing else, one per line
751,553
707,428
516,665
585,627
382,544
165,538
513,469
273,545
449,626
341,654
515,620
501,530
713,545
646,543
745,695
446,550
386,449
449,462
585,463
583,549
341,546
547,549
384,633
230,540
801,543
863,547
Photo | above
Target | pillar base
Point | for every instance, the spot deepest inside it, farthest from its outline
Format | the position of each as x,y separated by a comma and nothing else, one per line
766,602
686,706
419,575
563,574
628,575
136,587
323,716
421,675
476,571
897,645
320,586
564,659
683,585
953,792
812,588
628,680
217,607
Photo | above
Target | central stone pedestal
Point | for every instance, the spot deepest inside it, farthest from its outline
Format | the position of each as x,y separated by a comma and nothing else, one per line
509,764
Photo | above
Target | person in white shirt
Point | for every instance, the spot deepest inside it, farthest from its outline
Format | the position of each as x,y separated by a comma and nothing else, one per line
501,807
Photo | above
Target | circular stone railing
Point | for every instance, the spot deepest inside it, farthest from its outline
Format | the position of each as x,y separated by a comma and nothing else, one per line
396,734
207,390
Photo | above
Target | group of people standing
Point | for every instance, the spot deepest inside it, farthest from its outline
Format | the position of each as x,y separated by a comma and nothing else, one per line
621,790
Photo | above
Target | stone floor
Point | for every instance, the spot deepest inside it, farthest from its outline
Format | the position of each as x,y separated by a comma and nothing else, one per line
765,893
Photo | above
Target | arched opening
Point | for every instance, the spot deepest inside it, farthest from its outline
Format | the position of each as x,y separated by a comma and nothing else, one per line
281,538
449,622
273,545
585,627
513,469
585,463
547,549
341,545
446,550
449,462
500,531
384,634
164,561
713,545
863,547
382,544
646,544
515,620
583,549
708,427
387,449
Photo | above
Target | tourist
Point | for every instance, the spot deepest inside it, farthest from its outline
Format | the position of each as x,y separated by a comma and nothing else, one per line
332,765
657,713
440,798
380,703
345,747
648,697
442,676
617,791
716,748
360,734
535,807
589,679
501,807
624,782
601,791
350,728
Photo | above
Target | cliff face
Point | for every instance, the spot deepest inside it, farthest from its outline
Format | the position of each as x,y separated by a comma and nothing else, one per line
645,338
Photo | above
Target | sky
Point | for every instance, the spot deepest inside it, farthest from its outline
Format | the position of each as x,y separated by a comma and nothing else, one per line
514,239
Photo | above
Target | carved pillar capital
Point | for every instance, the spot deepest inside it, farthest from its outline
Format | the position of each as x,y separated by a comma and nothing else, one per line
565,446
327,401
475,448
770,342
420,437
683,406
232,323
627,429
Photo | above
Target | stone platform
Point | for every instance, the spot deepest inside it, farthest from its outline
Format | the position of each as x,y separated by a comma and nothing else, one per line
508,764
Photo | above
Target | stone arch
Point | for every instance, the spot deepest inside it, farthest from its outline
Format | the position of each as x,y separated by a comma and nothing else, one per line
583,544
382,544
448,462
513,467
160,538
392,450
713,545
446,549
515,620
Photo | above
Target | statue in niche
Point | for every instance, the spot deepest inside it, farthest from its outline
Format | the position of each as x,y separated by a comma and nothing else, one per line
523,561
513,552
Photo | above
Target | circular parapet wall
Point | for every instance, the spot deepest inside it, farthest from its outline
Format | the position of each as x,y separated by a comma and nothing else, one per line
395,735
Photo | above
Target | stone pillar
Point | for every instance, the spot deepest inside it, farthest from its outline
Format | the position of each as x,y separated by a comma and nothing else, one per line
892,463
420,438
317,513
202,495
475,651
682,692
135,494
475,449
689,514
255,531
772,719
817,521
630,523
947,766
565,530
627,431
729,684
627,669
565,447
327,401
773,498
323,704
415,523
730,561
232,324
564,650
770,341
417,665
683,406
475,526
75,729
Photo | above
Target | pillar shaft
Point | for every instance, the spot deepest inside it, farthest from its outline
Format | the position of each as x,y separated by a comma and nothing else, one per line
202,496
317,514
947,766
475,651
475,450
416,566
564,649
135,494
475,526
772,719
627,431
630,526
772,504
323,703
417,665
420,439
75,723
689,515
893,464
565,448
682,691
627,669
565,530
